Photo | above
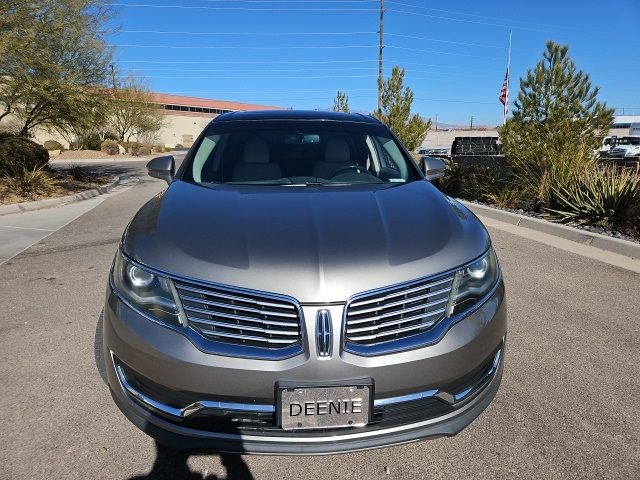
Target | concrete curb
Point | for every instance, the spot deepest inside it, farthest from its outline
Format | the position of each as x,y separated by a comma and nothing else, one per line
604,242
54,202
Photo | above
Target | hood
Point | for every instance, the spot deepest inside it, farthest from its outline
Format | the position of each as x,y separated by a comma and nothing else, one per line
316,244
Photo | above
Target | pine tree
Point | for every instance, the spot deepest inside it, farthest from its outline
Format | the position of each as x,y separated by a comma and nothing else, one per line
341,102
395,111
556,122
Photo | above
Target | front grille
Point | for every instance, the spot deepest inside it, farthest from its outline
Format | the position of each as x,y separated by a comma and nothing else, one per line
397,312
245,318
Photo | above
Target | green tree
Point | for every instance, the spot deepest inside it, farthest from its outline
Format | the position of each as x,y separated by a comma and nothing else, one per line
396,111
556,122
133,112
341,102
54,61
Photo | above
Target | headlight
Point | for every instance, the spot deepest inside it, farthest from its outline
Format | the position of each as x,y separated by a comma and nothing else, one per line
148,292
473,282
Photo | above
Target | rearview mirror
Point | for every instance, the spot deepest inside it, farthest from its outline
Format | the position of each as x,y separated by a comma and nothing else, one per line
162,168
432,167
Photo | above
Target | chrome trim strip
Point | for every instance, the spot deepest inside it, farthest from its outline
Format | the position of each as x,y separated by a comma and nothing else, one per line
239,336
450,398
404,398
189,409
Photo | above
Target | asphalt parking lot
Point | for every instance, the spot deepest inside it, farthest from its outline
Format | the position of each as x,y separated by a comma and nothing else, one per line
567,407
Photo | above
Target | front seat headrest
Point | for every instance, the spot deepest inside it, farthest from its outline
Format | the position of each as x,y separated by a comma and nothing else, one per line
256,151
337,151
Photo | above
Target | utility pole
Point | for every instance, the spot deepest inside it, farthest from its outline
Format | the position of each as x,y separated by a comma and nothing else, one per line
436,122
380,57
113,78
471,126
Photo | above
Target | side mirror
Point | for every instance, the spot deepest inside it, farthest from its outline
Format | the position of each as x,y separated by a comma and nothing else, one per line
163,168
432,167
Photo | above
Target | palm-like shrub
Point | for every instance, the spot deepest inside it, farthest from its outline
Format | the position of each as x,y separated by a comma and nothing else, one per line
603,195
30,182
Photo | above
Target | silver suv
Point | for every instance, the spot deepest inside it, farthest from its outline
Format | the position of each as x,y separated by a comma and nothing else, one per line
300,288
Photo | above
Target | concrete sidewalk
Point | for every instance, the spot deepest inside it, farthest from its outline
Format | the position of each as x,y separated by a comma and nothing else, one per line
18,231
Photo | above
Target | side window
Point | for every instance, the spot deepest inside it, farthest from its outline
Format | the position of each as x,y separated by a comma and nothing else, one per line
393,157
204,151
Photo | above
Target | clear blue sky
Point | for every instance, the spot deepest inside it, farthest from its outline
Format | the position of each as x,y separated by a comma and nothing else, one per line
298,53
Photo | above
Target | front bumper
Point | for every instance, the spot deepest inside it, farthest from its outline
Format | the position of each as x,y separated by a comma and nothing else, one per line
433,391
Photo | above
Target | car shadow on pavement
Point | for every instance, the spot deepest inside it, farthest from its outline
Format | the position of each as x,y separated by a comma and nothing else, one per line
172,464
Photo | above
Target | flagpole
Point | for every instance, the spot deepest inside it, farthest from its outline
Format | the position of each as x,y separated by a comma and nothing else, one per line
506,106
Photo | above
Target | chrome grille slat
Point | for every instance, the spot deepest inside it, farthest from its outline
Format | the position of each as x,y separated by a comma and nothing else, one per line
396,304
249,328
400,292
402,302
386,334
227,315
237,336
397,312
182,286
233,306
235,317
399,321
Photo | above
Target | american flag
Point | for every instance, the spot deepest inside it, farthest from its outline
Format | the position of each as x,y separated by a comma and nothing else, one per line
504,94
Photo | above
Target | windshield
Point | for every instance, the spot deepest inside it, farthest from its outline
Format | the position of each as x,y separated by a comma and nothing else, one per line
298,154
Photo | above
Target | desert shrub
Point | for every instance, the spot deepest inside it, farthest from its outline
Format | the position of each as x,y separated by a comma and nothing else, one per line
53,145
143,150
28,182
507,196
110,147
472,182
132,148
17,153
158,148
603,195
178,146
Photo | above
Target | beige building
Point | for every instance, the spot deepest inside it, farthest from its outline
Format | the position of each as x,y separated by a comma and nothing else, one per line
185,117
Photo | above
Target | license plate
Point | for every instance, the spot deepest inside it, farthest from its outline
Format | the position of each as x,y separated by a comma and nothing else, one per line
324,407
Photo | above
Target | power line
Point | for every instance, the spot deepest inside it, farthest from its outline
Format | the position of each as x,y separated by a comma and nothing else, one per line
184,77
410,49
439,17
247,62
509,21
266,34
271,91
243,47
244,9
444,41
